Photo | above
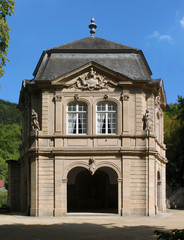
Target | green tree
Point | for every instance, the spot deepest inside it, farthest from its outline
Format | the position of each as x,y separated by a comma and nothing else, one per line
174,139
181,136
10,135
6,9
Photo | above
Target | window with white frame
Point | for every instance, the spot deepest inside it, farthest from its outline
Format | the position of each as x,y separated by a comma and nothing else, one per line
76,118
106,117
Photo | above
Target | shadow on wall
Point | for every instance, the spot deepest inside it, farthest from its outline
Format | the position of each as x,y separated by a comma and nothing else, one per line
74,231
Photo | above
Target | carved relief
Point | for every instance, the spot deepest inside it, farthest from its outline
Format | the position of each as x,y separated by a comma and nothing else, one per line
157,101
76,97
92,81
125,97
105,97
57,98
34,120
92,166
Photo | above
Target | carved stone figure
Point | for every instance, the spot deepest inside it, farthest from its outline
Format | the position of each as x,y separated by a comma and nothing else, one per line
148,121
34,120
157,101
92,166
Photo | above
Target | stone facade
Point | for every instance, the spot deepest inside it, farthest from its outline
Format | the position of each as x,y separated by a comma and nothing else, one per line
92,134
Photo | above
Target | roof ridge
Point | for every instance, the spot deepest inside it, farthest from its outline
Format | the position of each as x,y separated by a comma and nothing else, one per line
92,42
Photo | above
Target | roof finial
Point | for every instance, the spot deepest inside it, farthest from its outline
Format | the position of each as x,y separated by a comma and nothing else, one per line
92,26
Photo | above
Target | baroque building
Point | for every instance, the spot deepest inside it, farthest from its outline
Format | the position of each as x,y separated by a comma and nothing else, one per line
92,132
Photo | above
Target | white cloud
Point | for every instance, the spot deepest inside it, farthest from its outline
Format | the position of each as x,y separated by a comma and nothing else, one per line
161,37
182,22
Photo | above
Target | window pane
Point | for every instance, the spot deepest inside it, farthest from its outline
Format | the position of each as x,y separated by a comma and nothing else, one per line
77,118
106,118
111,107
82,108
72,121
101,123
101,107
111,123
82,123
72,107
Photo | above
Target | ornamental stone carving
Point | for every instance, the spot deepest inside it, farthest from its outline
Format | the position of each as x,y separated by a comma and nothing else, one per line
157,101
106,97
58,98
92,81
148,121
34,121
76,97
92,166
125,97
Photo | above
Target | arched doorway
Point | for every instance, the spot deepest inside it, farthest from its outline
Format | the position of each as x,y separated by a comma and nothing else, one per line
92,193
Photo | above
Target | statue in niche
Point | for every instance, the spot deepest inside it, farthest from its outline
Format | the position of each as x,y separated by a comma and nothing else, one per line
34,120
92,166
148,121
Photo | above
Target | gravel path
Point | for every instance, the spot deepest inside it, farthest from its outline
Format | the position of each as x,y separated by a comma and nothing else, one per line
75,227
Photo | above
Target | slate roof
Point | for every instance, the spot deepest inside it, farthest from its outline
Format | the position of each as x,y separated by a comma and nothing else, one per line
63,59
92,43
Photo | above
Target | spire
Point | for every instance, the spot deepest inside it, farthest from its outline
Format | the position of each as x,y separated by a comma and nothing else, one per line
92,26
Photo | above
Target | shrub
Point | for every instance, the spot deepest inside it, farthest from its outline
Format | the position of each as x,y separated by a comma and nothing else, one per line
173,235
3,197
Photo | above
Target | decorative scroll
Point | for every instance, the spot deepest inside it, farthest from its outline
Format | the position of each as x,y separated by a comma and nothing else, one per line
34,120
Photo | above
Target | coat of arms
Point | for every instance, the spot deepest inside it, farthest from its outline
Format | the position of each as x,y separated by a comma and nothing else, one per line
92,81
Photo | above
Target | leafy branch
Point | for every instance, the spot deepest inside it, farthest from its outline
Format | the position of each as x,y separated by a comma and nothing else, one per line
6,9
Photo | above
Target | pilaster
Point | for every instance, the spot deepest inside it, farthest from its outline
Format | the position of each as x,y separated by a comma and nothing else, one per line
58,113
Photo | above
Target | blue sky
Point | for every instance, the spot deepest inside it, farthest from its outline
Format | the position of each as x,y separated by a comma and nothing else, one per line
155,26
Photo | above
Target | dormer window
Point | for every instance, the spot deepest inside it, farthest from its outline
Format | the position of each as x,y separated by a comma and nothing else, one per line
106,113
76,118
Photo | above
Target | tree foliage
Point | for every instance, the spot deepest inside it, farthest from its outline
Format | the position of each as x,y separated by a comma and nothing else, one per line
174,139
10,135
6,9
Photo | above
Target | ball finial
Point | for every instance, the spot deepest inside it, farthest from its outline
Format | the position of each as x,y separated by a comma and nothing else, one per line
92,26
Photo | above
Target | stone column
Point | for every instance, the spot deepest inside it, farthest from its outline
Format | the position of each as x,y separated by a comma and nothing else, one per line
64,196
151,186
120,200
14,185
163,179
58,187
126,187
34,193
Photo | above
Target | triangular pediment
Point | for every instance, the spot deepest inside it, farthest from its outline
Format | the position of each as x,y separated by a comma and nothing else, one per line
91,76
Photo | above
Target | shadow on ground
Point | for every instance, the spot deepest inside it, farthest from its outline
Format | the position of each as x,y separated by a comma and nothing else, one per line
76,231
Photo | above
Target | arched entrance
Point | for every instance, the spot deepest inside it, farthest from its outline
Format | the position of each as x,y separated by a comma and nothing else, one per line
92,193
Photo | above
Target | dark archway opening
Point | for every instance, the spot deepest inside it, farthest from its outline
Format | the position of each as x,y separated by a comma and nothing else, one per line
96,193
